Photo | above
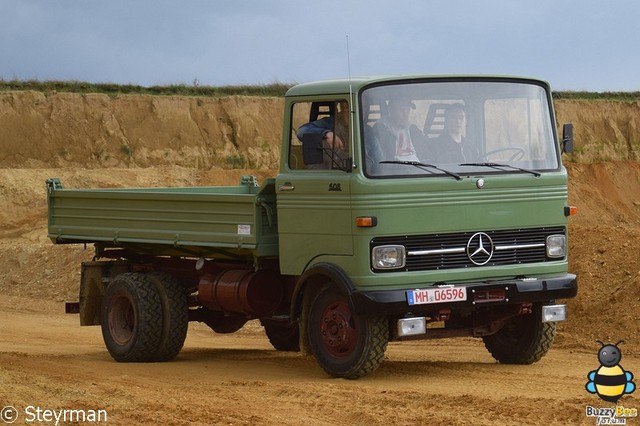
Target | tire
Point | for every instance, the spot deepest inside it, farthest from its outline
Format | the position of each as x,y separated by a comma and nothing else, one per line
131,318
525,339
284,336
344,344
175,315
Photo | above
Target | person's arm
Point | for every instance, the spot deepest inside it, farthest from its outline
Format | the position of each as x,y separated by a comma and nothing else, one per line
323,127
333,140
318,127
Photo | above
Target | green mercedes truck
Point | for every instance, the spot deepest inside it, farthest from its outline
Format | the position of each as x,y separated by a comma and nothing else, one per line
406,207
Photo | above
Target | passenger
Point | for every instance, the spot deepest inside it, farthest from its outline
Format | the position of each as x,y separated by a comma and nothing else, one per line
335,134
394,137
452,146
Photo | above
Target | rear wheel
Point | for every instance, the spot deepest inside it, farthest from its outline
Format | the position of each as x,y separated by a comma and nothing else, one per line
525,339
344,344
283,335
175,315
131,318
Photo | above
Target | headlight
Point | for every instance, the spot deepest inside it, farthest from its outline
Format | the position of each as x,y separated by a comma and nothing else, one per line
388,257
556,246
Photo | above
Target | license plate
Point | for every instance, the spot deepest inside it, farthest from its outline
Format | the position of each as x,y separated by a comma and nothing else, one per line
437,295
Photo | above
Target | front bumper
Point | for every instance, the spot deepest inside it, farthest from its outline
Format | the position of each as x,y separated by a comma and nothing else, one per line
515,291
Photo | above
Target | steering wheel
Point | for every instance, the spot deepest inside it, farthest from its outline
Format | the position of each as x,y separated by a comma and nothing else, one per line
517,155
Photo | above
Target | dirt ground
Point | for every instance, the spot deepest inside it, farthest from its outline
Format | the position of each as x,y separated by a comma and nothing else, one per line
47,360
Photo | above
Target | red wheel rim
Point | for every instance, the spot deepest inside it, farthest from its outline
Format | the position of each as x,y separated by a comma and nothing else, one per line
121,319
337,329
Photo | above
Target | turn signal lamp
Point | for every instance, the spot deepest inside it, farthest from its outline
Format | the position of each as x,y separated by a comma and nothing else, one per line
366,221
570,211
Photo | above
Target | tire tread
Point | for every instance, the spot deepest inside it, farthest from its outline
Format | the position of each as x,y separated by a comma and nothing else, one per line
175,315
149,330
282,336
536,345
370,354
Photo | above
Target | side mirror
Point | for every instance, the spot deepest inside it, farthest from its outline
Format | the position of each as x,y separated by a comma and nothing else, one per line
567,137
312,149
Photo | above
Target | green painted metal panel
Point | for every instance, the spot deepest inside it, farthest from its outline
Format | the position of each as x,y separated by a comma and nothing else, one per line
240,218
314,220
355,84
406,207
441,206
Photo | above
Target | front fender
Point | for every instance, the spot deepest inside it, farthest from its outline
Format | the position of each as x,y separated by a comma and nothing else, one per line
316,276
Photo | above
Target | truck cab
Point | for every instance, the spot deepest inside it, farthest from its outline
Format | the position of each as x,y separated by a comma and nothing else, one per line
445,203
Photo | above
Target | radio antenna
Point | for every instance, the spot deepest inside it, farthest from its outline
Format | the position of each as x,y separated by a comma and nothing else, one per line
351,110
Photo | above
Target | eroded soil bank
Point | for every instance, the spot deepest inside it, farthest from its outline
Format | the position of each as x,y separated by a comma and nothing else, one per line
48,130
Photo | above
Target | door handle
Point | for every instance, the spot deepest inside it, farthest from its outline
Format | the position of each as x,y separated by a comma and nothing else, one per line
287,187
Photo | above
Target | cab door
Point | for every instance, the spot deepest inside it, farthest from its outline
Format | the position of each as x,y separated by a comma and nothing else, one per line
314,200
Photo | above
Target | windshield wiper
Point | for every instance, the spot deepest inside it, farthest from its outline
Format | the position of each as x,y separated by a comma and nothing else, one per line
423,166
498,165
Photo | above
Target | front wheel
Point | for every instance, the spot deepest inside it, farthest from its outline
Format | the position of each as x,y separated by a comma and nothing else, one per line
525,339
343,343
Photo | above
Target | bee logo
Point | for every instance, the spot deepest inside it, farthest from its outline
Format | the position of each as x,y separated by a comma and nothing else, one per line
610,381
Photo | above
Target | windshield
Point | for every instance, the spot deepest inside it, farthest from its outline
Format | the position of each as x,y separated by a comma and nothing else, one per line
457,127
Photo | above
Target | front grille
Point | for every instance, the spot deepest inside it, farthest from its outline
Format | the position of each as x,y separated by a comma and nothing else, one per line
449,251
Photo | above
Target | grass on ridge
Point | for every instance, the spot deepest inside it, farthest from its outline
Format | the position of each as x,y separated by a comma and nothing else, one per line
276,89
273,89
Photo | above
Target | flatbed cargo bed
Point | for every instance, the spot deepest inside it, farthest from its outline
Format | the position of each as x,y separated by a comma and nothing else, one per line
196,221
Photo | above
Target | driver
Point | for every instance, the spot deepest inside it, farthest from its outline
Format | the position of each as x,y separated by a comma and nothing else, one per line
452,146
397,137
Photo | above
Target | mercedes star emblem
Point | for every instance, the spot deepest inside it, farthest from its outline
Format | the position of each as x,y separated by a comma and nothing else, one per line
480,248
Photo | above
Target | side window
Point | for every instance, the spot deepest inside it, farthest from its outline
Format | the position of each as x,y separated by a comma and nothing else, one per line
299,116
327,118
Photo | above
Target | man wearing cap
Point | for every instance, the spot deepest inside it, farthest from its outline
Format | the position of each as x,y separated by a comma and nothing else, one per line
452,146
396,138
